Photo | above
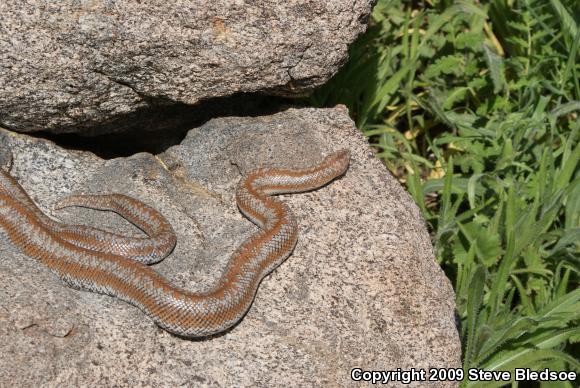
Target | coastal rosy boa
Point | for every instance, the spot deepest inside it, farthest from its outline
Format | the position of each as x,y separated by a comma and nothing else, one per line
95,260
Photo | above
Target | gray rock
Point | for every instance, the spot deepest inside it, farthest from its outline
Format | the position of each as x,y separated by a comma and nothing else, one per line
362,288
111,66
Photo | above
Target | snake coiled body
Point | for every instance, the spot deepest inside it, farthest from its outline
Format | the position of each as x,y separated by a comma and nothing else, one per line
159,242
92,267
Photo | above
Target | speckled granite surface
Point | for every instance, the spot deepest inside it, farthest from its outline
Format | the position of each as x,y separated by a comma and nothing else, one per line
362,288
109,66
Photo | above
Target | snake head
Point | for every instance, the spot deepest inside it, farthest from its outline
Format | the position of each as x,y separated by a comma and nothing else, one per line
339,161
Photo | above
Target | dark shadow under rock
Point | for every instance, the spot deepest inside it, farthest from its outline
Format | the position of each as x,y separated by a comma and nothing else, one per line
155,129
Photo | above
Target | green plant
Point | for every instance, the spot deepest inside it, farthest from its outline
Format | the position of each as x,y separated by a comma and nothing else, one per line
475,108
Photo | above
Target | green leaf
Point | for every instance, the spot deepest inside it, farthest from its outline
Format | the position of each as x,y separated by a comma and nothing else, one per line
569,164
564,109
527,358
570,238
524,297
514,329
573,207
449,64
553,338
496,69
567,306
387,90
486,243
531,230
455,95
469,40
565,18
474,301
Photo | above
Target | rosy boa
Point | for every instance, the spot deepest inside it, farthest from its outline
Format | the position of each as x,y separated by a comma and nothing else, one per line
91,259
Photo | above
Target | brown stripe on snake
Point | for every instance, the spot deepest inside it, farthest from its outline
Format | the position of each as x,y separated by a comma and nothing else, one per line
179,311
159,242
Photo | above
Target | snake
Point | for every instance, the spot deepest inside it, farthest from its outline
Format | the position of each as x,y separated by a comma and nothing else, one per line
83,260
158,244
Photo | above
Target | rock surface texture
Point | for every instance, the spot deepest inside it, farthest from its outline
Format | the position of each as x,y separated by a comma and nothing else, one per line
362,288
109,66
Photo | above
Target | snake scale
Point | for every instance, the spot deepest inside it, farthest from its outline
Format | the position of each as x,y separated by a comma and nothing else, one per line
95,260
